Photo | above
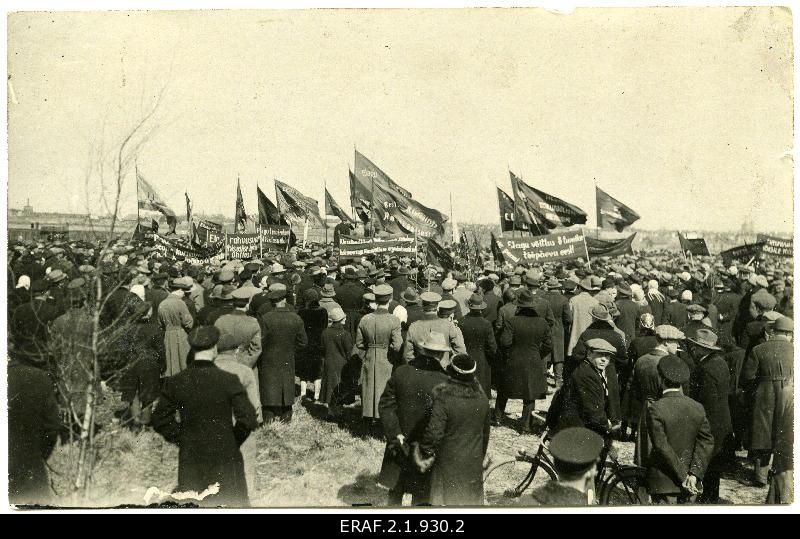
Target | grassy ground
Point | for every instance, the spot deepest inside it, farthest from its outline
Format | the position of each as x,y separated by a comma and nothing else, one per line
308,462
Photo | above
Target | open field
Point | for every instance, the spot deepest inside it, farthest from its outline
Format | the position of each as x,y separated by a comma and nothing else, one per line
309,462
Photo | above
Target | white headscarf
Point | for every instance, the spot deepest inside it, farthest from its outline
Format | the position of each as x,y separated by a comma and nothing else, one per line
24,282
652,291
138,290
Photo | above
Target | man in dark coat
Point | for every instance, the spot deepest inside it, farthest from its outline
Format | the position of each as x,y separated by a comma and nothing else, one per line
30,323
533,281
456,437
349,297
283,335
675,311
399,282
157,292
479,340
710,386
575,452
215,418
585,398
629,312
492,300
769,375
33,425
404,408
680,436
727,304
527,339
558,303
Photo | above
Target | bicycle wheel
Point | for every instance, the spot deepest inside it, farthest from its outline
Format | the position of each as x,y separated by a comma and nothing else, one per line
509,480
625,486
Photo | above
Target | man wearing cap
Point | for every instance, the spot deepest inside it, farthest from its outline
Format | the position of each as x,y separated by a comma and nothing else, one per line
479,340
283,335
579,311
586,397
527,340
206,398
405,407
559,305
762,305
749,288
378,338
241,328
680,435
349,297
575,451
448,286
413,305
727,305
532,281
337,347
418,331
508,306
456,437
176,320
768,375
710,386
696,315
491,298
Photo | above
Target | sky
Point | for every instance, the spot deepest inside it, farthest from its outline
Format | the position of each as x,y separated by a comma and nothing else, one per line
684,114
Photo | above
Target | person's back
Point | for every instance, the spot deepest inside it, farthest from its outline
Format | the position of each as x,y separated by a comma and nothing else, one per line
33,425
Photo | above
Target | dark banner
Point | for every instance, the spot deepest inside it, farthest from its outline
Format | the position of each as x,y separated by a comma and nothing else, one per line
208,232
436,255
611,213
743,253
776,246
540,249
695,246
541,210
598,247
400,246
172,249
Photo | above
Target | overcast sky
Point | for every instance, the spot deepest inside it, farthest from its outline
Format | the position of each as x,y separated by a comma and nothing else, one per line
685,114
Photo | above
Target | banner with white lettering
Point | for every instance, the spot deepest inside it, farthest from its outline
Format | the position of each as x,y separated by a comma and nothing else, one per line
242,246
171,249
275,236
776,246
400,246
547,248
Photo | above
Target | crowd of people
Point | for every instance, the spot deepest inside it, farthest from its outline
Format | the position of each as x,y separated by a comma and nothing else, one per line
690,359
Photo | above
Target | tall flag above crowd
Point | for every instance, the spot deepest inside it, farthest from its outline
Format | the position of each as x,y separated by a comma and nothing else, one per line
611,213
240,216
332,208
542,211
298,209
148,200
395,211
268,213
693,246
507,213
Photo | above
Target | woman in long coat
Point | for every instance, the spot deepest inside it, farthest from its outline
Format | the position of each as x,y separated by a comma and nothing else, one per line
527,339
337,344
457,437
309,360
176,321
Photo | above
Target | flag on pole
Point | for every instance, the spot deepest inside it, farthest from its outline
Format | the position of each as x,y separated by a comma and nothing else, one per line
506,208
149,200
611,213
436,255
360,199
240,217
332,208
543,211
268,213
189,220
296,207
498,255
695,246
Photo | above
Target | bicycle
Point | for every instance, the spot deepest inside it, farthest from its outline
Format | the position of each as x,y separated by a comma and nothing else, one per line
616,483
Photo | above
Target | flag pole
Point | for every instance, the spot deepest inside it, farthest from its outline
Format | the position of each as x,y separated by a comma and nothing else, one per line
588,260
325,187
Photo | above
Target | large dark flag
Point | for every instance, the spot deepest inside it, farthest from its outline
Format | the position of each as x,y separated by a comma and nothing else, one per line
149,200
394,209
543,211
240,216
360,198
611,213
598,247
695,246
296,207
268,213
436,255
507,213
332,208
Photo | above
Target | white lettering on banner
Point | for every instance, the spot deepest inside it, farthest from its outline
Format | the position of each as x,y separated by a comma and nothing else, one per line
369,173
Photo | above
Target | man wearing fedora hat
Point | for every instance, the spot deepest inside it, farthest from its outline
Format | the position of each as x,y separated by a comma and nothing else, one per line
561,327
680,435
419,330
283,335
480,341
710,384
527,340
456,437
768,376
207,398
405,407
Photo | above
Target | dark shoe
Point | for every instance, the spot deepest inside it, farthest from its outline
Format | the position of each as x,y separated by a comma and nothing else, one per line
494,422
